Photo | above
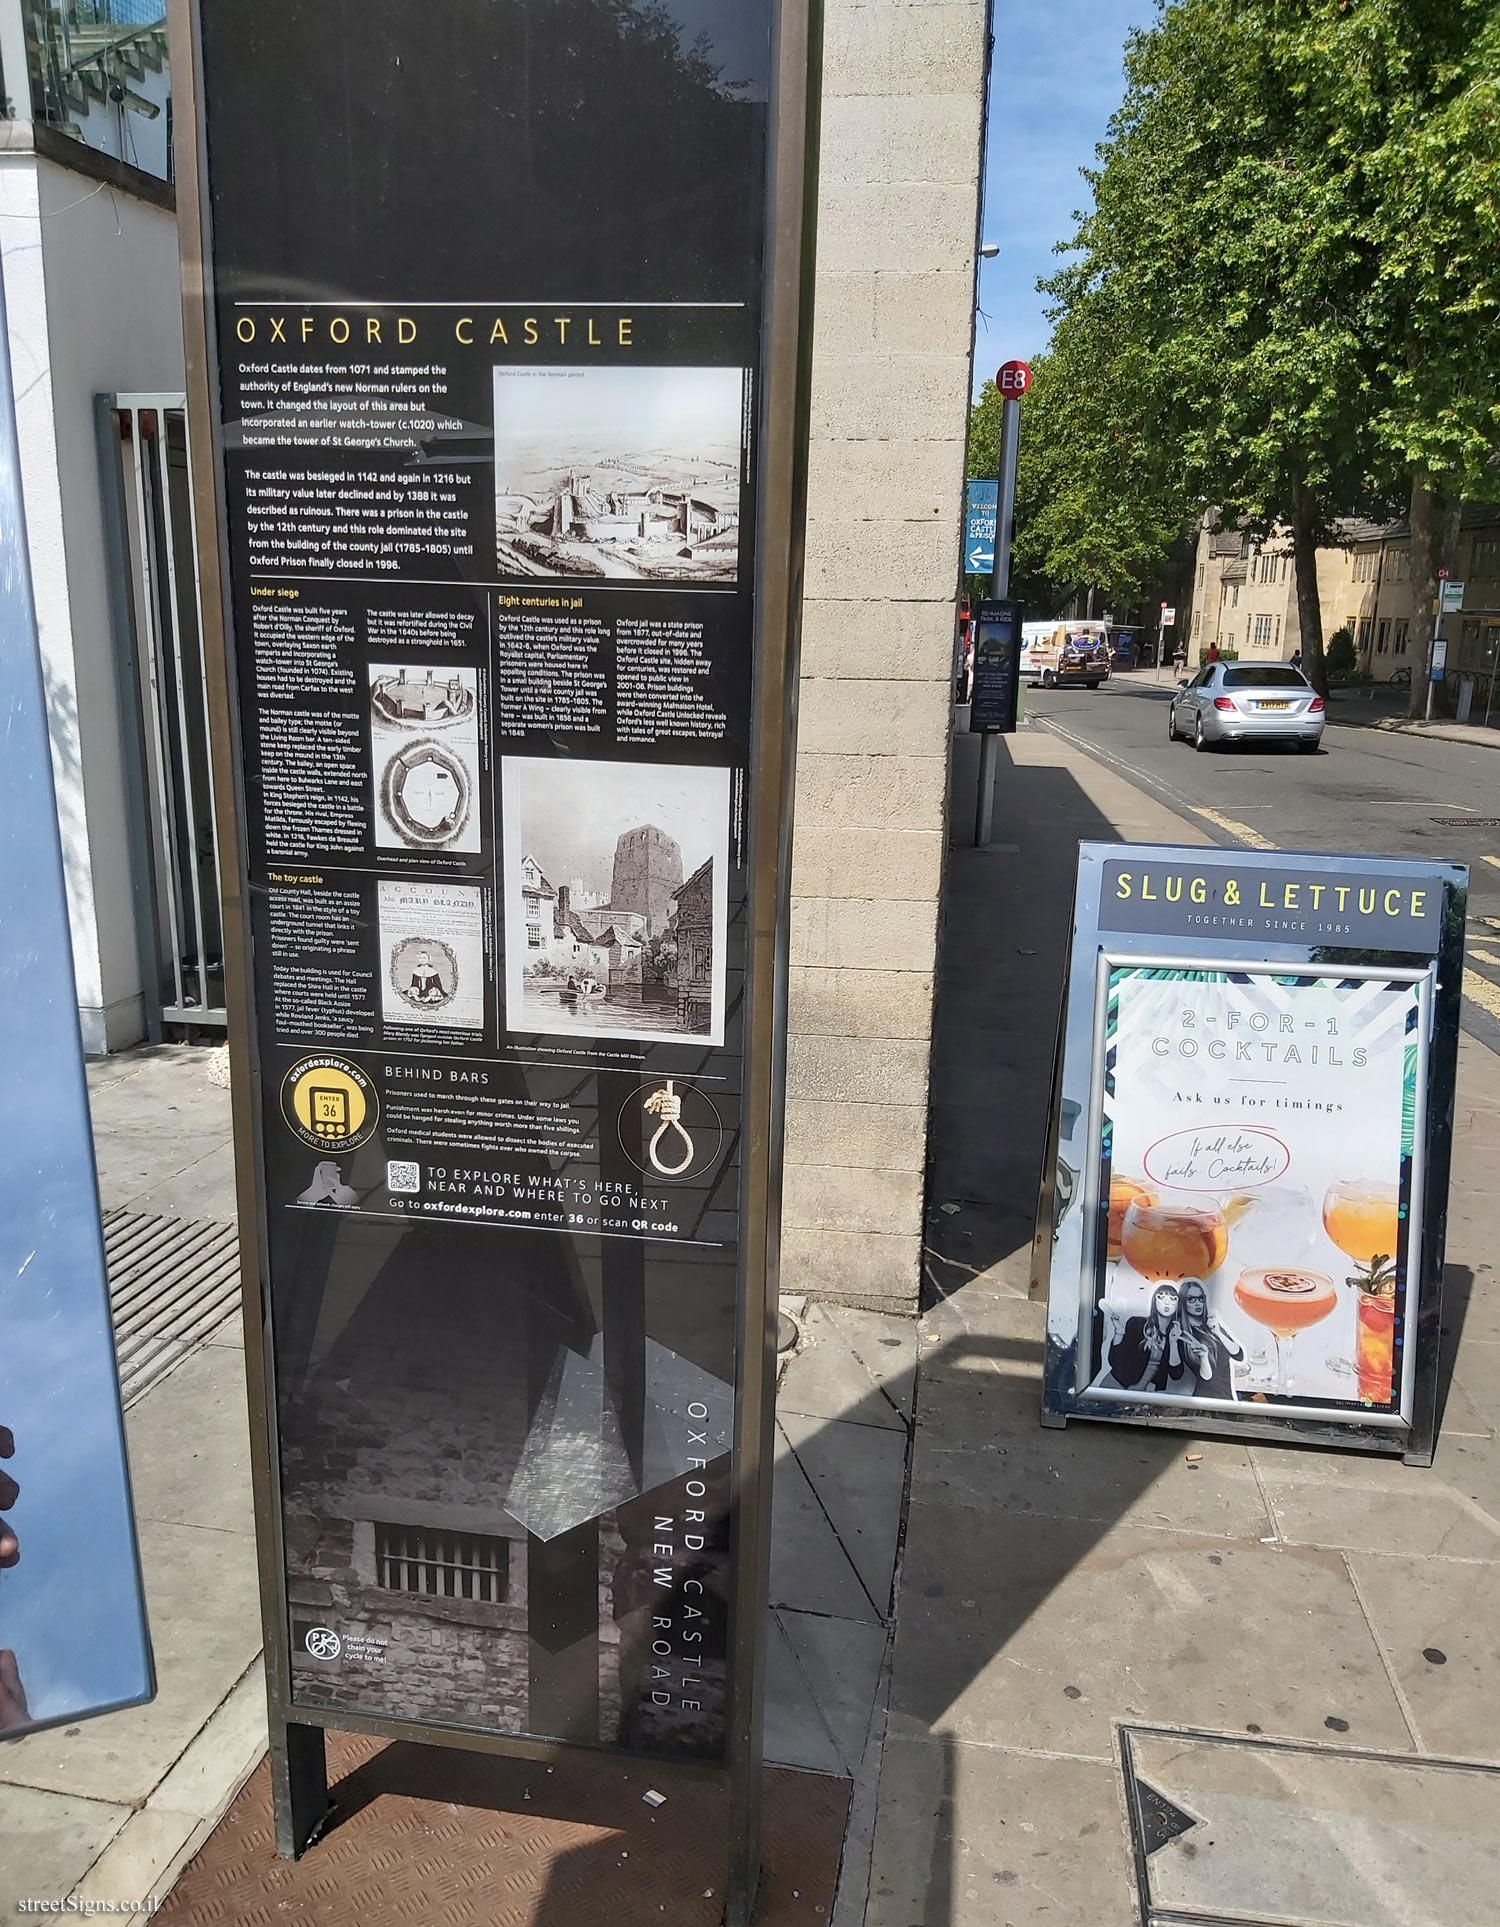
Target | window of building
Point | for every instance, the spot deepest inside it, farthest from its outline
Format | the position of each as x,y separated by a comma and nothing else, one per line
1261,636
442,1565
1403,637
1234,596
1383,636
534,935
1286,567
1366,564
1366,624
1484,562
1197,622
1200,575
1398,565
1278,633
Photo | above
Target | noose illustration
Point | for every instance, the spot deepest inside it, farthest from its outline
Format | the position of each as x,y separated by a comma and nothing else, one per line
668,1107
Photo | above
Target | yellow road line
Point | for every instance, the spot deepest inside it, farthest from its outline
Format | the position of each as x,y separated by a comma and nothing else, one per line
1491,859
1484,956
1483,992
1241,830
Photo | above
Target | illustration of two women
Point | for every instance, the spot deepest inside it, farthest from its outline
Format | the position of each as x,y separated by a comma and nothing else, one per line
1178,1347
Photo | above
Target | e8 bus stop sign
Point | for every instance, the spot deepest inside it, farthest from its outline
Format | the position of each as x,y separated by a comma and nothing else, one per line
1013,378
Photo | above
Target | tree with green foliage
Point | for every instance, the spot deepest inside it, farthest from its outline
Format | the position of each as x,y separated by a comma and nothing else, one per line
1294,230
1419,98
1341,657
1216,235
1096,508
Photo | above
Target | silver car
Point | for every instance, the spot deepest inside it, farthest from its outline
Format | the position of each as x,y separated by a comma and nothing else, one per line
1247,702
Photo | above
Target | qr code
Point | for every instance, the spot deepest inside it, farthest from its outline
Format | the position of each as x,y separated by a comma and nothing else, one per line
401,1176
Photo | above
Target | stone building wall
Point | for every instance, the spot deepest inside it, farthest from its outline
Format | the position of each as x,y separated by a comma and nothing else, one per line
902,111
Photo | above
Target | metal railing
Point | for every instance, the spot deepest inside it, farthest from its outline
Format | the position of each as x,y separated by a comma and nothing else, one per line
178,893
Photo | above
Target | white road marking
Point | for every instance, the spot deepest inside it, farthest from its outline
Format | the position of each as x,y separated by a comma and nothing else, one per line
1232,827
1484,956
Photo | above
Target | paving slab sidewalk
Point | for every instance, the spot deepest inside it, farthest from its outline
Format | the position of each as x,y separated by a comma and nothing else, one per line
1485,736
1055,1584
109,1810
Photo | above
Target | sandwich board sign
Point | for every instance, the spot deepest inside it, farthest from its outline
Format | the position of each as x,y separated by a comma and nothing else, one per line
1242,1223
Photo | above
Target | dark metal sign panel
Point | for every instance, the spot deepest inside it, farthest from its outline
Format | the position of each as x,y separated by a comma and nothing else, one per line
997,665
1273,902
1244,1220
487,306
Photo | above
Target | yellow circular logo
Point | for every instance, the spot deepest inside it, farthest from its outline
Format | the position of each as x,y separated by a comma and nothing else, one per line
330,1103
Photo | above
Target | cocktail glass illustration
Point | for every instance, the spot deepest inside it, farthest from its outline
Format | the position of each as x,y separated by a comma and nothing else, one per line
1173,1238
1363,1219
1124,1192
1286,1300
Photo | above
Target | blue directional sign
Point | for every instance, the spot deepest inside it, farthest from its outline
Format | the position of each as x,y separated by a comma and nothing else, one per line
980,504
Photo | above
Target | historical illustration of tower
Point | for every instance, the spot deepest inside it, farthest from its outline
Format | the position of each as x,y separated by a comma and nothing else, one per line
648,871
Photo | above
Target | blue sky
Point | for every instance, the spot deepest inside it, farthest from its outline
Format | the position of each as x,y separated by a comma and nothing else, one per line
1055,81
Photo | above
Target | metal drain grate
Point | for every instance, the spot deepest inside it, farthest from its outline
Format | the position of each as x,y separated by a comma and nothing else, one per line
172,1283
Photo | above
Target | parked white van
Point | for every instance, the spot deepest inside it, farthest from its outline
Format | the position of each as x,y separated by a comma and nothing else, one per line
1071,650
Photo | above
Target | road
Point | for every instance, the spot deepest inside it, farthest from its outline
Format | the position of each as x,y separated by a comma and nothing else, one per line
1370,791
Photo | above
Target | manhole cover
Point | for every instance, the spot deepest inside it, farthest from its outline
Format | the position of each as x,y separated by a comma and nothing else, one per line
1282,1833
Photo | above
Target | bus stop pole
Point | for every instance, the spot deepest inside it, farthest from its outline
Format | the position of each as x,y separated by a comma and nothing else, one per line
1005,515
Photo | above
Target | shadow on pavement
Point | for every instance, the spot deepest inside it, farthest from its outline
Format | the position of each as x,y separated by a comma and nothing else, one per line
1001,963
1055,1582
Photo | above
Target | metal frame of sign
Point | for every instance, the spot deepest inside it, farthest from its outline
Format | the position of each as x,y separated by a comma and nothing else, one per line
782,414
1424,951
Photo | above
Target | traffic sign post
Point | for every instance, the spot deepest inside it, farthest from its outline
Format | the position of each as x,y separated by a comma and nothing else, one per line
1165,621
1012,379
1450,601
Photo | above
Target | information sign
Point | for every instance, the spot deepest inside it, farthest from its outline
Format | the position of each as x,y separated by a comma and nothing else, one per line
1243,1225
1450,597
997,660
507,420
980,503
1439,668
